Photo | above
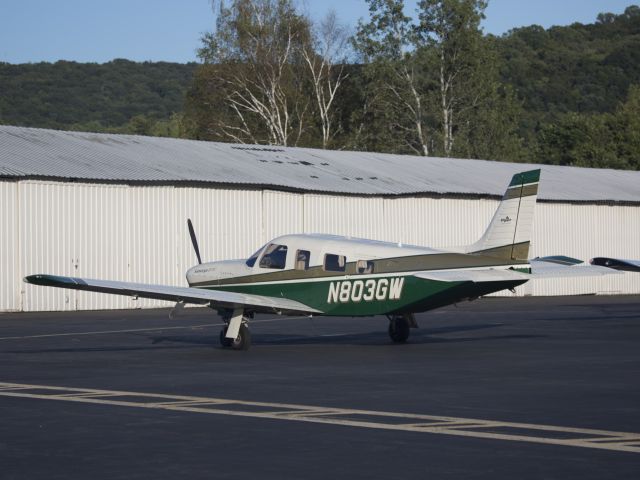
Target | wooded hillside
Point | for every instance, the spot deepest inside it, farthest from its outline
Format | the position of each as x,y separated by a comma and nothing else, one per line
91,96
566,95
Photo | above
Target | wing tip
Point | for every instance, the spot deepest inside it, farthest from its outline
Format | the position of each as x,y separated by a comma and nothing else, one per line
34,279
48,280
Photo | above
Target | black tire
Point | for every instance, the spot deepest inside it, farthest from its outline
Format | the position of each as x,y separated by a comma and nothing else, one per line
224,341
243,340
399,329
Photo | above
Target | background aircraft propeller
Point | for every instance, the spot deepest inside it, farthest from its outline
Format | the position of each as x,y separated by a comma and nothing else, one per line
194,240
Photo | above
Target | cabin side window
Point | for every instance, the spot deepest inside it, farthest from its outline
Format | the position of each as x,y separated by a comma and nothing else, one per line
335,263
275,256
364,267
302,259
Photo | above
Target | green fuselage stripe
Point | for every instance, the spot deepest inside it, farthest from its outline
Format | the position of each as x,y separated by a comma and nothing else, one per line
372,294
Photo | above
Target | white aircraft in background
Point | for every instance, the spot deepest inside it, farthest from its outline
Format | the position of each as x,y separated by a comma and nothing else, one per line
343,276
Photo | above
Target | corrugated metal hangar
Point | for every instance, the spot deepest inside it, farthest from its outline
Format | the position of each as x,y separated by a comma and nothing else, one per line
115,207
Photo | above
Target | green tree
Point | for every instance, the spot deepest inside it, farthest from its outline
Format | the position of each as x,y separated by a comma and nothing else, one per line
396,83
577,140
449,35
490,129
625,130
433,86
597,140
256,50
325,56
104,97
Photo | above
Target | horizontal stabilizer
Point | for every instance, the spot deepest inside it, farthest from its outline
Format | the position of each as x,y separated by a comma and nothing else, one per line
559,260
213,298
541,268
475,276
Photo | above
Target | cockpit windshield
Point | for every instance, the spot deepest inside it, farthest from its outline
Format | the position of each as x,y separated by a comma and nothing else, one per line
251,261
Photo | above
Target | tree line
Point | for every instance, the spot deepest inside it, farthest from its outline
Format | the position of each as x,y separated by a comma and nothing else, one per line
120,96
428,82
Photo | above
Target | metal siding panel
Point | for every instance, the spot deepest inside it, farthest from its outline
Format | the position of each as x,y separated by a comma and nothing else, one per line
584,232
437,222
228,224
101,241
323,214
10,278
140,234
349,216
282,214
47,231
364,217
152,239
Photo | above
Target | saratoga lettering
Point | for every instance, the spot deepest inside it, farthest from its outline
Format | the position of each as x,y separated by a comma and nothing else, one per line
358,290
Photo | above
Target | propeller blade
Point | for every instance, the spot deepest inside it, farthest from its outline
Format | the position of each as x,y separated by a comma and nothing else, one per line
194,240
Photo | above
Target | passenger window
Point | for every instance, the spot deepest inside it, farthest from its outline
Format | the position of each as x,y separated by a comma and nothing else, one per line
302,259
335,263
364,267
275,256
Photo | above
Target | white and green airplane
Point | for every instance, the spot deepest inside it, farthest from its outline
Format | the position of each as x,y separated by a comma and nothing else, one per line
342,276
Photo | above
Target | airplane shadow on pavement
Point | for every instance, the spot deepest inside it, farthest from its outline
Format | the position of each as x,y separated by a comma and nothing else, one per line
375,338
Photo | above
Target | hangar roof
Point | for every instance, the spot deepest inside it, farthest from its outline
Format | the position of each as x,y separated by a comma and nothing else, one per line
52,154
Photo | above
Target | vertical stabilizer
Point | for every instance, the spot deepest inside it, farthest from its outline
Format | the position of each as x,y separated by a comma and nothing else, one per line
509,233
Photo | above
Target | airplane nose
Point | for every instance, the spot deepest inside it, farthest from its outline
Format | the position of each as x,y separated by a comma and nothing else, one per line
200,273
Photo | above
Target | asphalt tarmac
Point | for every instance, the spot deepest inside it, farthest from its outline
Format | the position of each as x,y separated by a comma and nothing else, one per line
498,388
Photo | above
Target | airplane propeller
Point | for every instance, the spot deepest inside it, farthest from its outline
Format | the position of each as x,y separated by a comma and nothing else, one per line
194,240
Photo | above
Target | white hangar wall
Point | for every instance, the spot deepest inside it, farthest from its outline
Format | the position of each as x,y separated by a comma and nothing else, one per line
139,234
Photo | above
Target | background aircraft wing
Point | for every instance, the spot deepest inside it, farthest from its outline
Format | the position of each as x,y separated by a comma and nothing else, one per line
213,298
617,264
564,267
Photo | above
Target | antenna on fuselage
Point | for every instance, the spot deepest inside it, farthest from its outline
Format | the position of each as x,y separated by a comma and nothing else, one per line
194,240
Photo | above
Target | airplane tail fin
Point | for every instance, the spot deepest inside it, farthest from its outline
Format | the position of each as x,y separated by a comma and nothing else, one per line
509,233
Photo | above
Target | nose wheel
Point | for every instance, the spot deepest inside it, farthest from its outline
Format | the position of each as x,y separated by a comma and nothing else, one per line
241,342
236,334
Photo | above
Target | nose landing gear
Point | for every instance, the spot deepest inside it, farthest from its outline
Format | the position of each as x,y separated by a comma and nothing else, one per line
236,334
242,340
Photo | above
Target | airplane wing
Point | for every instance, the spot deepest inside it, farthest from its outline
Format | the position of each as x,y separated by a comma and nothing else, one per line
213,298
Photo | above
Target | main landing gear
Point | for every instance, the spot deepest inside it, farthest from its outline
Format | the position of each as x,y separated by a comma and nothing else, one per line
236,334
400,327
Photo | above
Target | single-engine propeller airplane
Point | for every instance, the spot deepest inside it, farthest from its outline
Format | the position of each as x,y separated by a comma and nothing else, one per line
342,276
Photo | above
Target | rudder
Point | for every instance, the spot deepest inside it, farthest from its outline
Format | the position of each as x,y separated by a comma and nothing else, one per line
509,233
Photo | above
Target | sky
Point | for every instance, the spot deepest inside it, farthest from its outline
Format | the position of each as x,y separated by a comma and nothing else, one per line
169,30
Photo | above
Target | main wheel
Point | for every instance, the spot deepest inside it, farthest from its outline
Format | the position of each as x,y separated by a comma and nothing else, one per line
399,329
243,340
224,341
